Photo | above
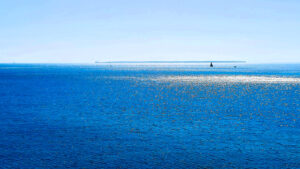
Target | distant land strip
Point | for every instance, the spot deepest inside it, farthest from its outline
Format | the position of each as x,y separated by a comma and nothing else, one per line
173,61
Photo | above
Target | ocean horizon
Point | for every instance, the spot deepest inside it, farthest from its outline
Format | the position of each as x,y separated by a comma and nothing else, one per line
150,116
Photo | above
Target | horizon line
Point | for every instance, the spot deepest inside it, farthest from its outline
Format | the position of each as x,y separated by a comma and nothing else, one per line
207,61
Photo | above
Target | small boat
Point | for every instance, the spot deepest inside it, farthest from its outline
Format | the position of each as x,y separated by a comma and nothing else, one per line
211,65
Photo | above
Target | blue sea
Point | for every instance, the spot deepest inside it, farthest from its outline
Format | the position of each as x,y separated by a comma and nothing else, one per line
149,116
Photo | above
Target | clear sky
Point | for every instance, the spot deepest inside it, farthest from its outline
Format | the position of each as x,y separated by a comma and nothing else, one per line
83,31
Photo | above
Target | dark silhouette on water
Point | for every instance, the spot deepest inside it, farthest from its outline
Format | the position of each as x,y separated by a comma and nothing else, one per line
211,65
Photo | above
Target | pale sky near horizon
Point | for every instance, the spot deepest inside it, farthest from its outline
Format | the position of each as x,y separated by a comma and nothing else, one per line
84,31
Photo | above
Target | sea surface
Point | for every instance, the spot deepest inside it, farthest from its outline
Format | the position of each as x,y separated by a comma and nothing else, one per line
149,116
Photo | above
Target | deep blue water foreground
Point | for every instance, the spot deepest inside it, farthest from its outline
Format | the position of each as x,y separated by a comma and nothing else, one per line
81,116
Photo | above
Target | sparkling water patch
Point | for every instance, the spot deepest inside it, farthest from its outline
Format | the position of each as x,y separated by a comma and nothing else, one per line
213,79
229,79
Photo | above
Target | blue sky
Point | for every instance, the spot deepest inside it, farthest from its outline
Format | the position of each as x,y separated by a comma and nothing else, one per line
83,31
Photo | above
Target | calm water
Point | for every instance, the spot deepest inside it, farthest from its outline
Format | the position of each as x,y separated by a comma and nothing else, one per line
81,116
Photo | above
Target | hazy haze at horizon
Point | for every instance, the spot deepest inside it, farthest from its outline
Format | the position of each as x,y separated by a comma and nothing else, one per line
77,31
